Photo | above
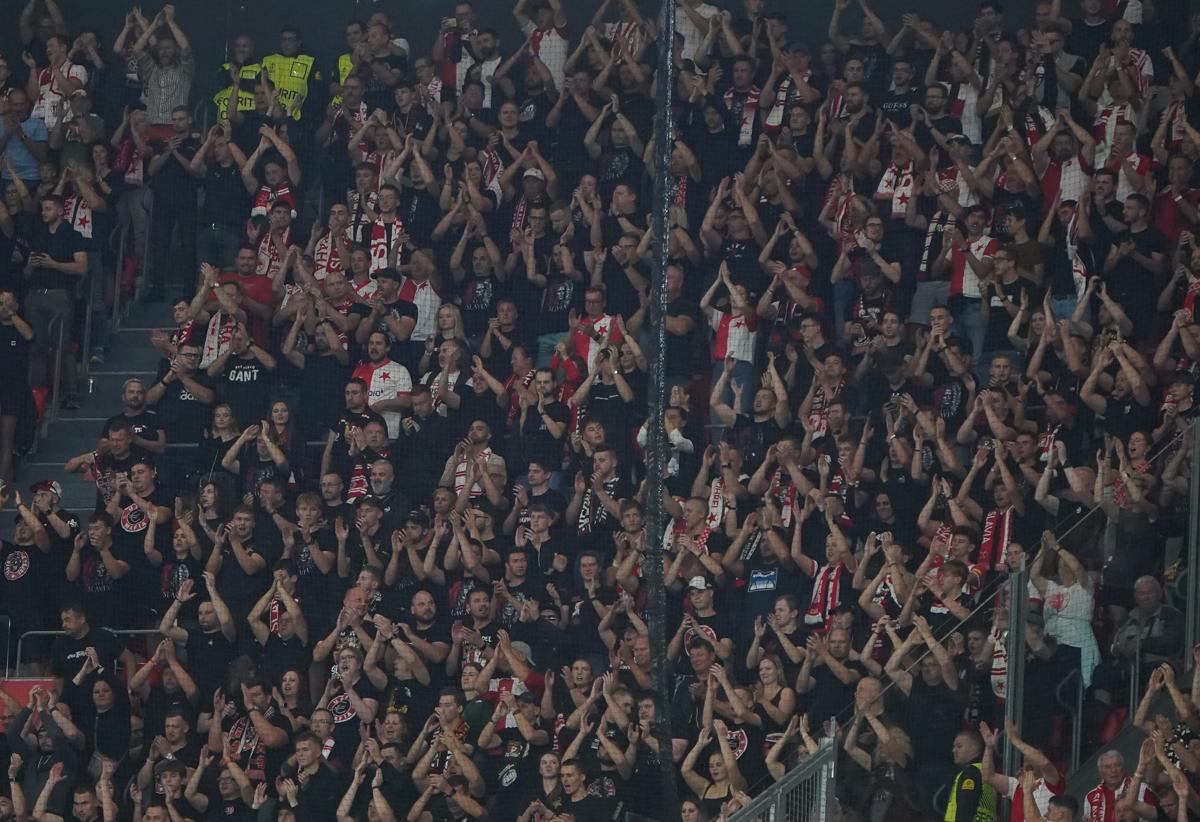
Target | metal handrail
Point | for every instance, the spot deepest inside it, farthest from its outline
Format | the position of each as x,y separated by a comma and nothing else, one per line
52,412
7,623
1135,675
772,805
121,632
85,344
121,233
1075,709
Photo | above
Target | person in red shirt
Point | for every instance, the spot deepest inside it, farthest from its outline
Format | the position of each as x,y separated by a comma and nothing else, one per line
1175,205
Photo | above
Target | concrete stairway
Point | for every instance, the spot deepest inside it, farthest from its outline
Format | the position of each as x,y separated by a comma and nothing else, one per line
75,432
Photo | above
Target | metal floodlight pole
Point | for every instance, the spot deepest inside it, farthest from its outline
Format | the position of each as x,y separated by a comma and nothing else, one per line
657,449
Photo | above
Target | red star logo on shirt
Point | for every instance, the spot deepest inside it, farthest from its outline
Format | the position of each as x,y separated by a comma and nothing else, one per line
383,375
83,222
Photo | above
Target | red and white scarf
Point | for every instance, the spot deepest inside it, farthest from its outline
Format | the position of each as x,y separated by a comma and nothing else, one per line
896,185
269,258
326,258
826,595
218,338
784,495
493,167
1102,802
1189,298
267,195
820,404
716,503
749,111
385,242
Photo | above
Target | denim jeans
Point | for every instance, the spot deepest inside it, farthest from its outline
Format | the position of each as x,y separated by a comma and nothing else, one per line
217,244
968,323
844,292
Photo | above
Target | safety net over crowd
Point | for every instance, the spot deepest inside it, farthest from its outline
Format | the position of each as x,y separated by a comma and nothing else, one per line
373,543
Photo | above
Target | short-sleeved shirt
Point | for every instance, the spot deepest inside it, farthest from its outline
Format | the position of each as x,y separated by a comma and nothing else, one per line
23,161
60,245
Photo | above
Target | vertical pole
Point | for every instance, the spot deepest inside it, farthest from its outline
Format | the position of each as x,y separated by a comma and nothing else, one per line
1018,609
1193,544
656,454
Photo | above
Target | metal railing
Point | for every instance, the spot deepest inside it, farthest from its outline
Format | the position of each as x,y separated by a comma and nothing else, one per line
55,330
122,632
5,640
1074,707
805,794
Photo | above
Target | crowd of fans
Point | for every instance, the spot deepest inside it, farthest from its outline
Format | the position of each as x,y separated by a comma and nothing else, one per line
932,311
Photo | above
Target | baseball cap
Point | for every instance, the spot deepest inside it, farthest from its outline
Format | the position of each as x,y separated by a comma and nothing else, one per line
535,173
389,273
46,485
523,649
960,139
418,517
484,505
700,583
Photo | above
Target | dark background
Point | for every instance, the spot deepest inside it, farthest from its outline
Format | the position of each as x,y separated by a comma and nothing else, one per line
211,24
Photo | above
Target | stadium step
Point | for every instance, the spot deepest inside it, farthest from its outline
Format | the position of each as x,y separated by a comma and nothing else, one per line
74,432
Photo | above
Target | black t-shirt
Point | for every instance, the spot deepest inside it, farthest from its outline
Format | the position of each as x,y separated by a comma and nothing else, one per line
67,654
209,655
1131,285
588,809
537,443
246,386
831,697
28,573
184,417
60,245
145,425
238,587
681,348
225,200
14,357
345,718
174,184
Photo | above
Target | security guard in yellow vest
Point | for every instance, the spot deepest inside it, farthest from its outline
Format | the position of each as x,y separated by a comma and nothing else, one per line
247,77
241,55
356,33
345,65
972,799
290,71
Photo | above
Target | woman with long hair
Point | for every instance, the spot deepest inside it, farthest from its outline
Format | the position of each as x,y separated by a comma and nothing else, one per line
774,701
724,776
291,694
216,439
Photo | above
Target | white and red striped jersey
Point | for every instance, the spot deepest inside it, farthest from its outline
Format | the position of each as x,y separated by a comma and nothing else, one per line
551,46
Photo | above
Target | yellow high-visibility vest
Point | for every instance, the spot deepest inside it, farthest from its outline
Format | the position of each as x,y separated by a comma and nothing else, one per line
245,98
291,76
971,779
345,65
